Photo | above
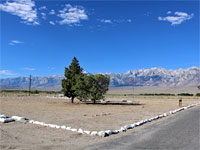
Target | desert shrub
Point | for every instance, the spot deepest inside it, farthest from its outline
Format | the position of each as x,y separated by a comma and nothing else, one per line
198,94
185,94
158,94
35,92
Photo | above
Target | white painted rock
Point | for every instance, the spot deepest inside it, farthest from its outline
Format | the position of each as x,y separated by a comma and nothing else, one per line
6,120
165,114
115,131
3,116
52,125
45,124
63,127
137,123
94,133
57,127
74,130
31,121
39,123
102,133
80,131
69,128
36,122
133,125
86,132
109,132
17,118
9,120
141,122
128,126
2,120
122,129
151,119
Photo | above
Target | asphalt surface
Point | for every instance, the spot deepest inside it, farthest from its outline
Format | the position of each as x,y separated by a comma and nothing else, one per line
181,131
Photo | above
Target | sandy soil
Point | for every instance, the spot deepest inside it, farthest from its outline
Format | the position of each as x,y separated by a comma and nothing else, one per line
91,117
150,89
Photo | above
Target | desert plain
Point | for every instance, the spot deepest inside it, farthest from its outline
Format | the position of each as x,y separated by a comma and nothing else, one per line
93,117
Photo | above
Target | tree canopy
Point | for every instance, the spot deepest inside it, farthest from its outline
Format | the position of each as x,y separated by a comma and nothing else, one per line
99,86
92,87
83,86
71,78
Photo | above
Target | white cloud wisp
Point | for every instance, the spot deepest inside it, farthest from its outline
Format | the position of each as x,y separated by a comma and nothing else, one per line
51,22
72,15
6,72
25,9
110,21
43,8
52,12
14,42
105,21
28,69
44,16
178,18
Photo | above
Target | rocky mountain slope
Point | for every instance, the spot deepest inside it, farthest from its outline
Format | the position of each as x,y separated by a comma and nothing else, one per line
158,77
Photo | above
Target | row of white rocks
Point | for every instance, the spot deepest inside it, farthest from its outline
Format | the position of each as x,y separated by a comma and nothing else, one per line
98,133
110,132
183,108
5,119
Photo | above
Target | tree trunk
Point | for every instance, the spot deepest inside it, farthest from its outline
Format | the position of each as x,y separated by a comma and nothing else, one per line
72,99
94,101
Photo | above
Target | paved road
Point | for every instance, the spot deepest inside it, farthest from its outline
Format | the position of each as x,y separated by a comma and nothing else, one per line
182,131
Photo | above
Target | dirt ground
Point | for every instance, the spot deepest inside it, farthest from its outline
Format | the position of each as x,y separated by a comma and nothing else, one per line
150,89
16,135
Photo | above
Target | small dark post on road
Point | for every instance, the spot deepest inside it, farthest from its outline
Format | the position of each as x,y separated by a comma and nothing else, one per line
30,85
180,102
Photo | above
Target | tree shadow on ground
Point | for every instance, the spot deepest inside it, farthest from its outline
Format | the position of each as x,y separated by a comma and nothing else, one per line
114,103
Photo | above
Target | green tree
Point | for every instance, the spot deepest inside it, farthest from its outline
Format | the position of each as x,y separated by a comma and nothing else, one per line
83,87
72,77
98,86
199,87
92,87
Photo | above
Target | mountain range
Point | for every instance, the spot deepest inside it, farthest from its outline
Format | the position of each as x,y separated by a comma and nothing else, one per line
156,77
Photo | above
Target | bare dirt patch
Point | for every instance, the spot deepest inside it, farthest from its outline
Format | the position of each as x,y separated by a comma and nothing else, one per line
17,135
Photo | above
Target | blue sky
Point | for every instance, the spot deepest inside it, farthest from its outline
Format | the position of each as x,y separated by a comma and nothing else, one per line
42,37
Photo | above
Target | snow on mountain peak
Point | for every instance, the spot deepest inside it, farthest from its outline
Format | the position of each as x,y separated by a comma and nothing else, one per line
142,77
